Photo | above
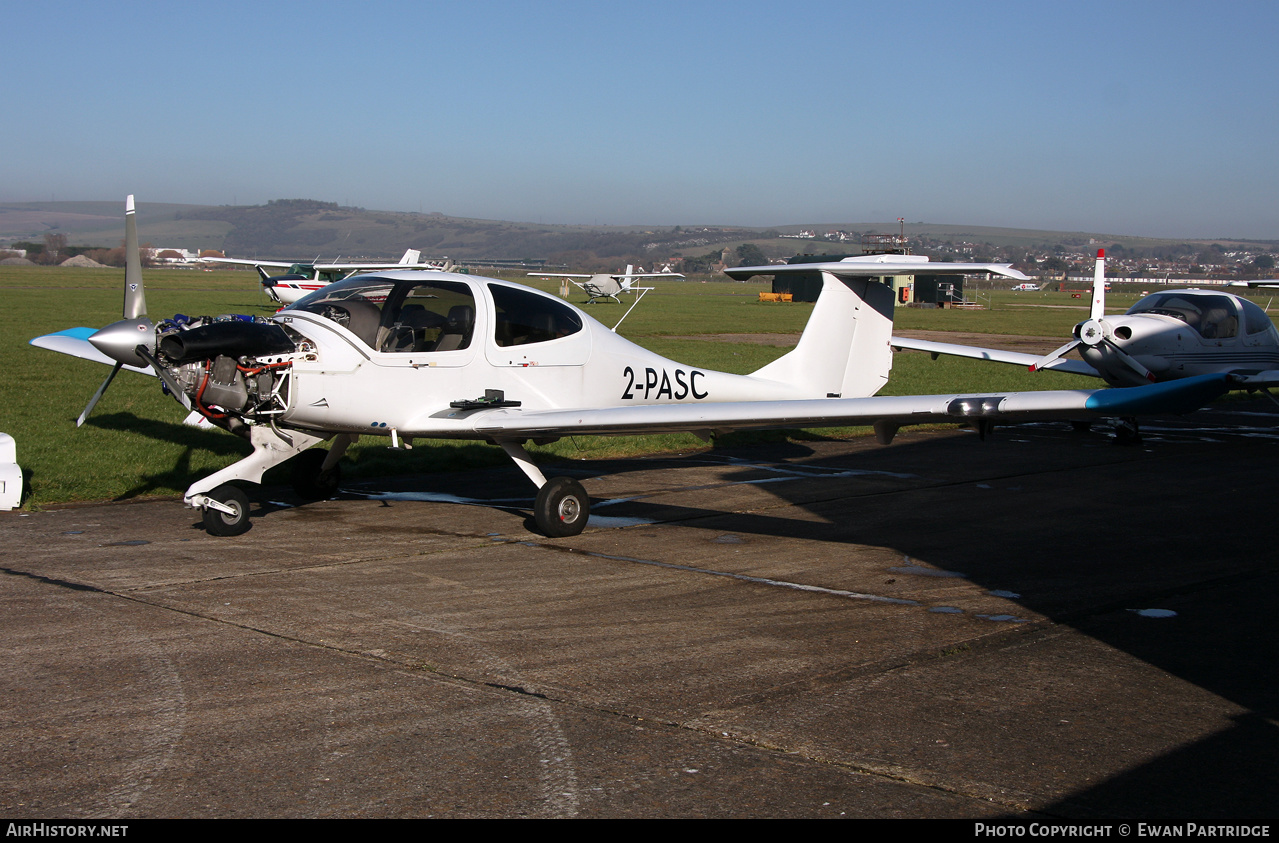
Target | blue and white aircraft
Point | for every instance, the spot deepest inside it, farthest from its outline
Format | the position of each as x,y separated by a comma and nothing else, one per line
1166,336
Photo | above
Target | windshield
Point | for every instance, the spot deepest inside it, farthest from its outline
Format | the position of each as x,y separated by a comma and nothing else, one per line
1213,316
398,315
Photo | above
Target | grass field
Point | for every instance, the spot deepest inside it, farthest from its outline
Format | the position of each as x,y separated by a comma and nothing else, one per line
134,444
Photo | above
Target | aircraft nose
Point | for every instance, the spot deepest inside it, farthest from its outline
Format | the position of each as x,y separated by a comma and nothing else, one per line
119,339
1136,334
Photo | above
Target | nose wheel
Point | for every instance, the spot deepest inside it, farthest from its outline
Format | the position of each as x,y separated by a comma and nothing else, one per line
562,507
229,513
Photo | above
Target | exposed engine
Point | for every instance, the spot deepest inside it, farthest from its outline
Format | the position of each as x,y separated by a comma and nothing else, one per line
231,368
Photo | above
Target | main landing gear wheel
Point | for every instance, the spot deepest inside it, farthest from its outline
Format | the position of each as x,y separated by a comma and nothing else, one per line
224,523
561,508
1126,432
309,482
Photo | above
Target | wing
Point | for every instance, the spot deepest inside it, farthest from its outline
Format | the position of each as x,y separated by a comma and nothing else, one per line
887,412
238,262
1016,358
619,276
872,265
1266,379
366,266
75,341
1270,282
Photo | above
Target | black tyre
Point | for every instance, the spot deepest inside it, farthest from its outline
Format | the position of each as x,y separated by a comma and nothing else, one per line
561,508
223,523
308,482
1127,433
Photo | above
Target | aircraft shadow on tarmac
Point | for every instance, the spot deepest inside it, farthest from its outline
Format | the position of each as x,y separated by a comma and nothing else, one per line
1081,541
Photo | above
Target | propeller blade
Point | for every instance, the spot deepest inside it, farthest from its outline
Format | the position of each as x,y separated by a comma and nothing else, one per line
94,400
1099,287
1053,357
1131,362
135,302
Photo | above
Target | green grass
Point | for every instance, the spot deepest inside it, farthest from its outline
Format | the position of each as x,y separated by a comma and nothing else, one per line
134,444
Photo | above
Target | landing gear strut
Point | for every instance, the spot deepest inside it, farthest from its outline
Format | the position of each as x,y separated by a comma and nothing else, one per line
225,508
562,506
1126,432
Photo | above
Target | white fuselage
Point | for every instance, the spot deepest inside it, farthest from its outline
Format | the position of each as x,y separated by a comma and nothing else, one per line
408,384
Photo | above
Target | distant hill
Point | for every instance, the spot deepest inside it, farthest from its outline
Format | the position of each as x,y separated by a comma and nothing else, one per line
304,228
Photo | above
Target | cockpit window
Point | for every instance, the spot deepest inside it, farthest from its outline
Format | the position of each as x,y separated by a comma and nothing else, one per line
396,315
1254,318
525,317
1214,317
431,316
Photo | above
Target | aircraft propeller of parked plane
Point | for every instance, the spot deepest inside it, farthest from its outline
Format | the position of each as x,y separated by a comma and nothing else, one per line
419,354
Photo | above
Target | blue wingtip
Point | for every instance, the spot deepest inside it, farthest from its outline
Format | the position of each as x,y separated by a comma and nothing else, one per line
1179,396
74,333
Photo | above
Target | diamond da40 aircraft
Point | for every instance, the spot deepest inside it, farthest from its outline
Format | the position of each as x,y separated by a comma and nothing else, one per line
1166,336
418,354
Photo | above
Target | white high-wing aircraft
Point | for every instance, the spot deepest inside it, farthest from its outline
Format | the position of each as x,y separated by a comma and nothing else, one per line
600,286
1165,336
403,355
303,278
603,285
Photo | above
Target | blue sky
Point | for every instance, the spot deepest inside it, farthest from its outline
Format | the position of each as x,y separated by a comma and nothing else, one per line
1139,118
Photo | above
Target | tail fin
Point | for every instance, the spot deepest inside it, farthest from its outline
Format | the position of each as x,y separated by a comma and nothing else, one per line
411,257
1099,287
844,351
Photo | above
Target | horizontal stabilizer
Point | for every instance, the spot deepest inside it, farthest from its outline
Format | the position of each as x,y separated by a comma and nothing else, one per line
996,355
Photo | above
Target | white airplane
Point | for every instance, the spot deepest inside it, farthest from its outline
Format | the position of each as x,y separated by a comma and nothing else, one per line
302,278
601,286
403,354
1165,336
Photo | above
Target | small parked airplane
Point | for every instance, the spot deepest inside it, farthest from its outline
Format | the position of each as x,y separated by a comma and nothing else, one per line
302,278
402,354
601,286
1165,336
